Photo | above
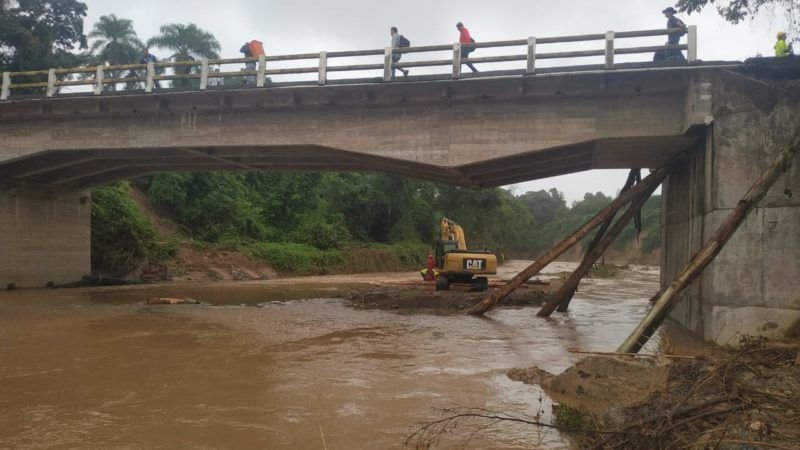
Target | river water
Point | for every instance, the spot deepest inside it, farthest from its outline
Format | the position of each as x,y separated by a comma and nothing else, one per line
279,365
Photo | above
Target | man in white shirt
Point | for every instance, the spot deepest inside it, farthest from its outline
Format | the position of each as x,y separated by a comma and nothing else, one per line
216,81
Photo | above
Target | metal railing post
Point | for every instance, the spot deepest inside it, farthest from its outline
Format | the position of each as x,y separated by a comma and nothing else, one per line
456,60
203,74
531,54
51,83
98,80
261,77
5,91
609,50
323,68
692,51
387,64
150,78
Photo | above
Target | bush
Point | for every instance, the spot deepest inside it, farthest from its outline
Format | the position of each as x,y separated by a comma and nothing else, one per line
304,259
298,259
122,237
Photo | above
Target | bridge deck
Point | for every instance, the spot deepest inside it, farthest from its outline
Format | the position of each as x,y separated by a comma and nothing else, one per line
477,132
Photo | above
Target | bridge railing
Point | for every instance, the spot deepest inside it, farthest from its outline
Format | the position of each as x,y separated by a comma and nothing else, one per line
145,77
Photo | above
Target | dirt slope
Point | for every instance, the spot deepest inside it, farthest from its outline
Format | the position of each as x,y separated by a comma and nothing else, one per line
195,262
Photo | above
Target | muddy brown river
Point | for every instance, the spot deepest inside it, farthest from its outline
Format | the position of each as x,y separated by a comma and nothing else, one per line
281,365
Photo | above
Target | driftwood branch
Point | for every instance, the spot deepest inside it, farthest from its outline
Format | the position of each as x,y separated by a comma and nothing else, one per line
671,296
654,179
427,434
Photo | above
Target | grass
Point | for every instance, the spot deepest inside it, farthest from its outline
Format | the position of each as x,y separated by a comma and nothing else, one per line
303,259
569,418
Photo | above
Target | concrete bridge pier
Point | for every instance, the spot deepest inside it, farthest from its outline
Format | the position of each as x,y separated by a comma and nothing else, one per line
45,235
753,287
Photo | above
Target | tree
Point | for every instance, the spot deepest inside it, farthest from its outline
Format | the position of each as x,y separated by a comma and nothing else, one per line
115,40
115,43
188,43
735,11
544,206
39,34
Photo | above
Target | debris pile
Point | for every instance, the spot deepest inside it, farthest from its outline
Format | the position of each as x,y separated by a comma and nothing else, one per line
732,399
746,399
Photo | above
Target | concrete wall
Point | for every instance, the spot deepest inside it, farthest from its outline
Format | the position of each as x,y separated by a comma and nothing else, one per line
753,287
44,236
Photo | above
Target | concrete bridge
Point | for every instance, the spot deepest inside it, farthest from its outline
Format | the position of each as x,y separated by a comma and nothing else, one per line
494,129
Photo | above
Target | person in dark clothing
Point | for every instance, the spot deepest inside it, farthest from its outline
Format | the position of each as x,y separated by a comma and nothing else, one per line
146,58
396,41
465,39
250,65
674,38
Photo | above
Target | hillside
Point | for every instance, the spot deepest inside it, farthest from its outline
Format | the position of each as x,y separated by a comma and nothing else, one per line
234,226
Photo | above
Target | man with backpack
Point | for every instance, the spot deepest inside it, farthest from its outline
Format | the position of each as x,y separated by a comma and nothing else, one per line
398,41
252,49
466,40
674,38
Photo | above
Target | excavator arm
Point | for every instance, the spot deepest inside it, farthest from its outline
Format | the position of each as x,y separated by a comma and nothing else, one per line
452,231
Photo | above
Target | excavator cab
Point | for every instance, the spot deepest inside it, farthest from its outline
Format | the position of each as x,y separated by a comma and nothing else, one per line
442,247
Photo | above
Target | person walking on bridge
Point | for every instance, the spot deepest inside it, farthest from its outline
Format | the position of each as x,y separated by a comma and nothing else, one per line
398,40
147,58
674,38
466,44
781,47
252,49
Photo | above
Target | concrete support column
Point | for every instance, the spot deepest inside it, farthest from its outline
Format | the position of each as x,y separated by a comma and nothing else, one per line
44,236
753,286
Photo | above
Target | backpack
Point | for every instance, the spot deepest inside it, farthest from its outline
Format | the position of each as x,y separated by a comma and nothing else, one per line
256,48
404,42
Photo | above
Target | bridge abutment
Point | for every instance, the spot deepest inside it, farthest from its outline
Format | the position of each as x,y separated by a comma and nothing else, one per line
45,235
753,287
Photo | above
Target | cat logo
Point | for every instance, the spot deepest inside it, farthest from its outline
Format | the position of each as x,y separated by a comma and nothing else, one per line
475,264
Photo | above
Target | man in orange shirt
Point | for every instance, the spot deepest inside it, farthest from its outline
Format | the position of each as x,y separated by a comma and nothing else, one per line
466,40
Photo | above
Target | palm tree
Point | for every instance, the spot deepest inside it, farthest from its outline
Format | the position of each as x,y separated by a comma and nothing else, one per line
115,43
115,40
188,43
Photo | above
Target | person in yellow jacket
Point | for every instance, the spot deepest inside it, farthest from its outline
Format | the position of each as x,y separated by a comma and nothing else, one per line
782,48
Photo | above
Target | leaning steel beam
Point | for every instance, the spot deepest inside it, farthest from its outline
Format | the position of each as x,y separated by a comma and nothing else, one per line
671,296
654,179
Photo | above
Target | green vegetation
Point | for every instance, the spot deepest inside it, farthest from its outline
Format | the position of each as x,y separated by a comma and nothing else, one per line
122,237
554,220
735,11
303,259
189,43
37,34
318,223
570,418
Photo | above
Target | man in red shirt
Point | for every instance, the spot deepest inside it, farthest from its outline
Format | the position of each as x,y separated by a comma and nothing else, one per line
466,40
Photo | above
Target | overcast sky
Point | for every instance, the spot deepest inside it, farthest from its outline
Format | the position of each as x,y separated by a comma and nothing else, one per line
295,26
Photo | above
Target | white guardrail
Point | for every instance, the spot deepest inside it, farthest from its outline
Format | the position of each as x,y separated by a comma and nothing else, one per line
143,77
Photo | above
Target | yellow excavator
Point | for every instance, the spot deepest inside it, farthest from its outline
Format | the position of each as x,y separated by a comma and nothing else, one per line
457,265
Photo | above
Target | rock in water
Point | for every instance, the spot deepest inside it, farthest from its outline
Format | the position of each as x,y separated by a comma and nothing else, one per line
172,301
597,384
